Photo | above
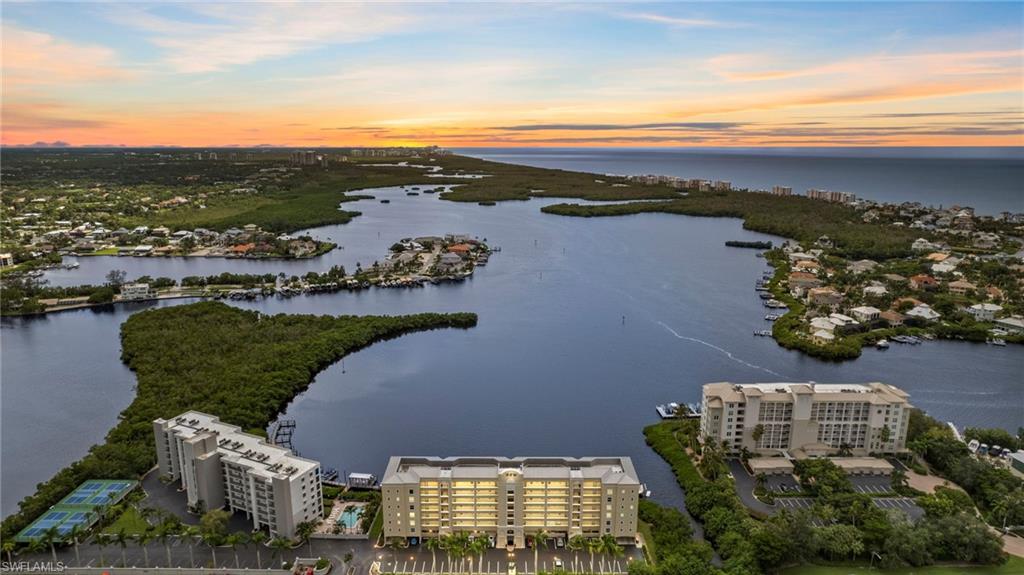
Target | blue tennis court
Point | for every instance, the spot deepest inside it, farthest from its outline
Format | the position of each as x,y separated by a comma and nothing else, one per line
78,508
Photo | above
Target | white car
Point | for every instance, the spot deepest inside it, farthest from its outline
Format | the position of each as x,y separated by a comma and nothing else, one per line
511,568
559,564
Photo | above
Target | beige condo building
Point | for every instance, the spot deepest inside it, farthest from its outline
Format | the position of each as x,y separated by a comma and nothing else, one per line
510,499
805,418
220,466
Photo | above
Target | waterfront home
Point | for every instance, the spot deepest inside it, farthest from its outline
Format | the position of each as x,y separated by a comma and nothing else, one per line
822,323
842,320
865,313
862,266
922,281
937,257
798,256
894,278
461,249
449,261
962,287
161,232
6,260
892,317
825,296
984,311
946,267
1012,324
135,291
803,281
810,266
142,250
242,249
925,312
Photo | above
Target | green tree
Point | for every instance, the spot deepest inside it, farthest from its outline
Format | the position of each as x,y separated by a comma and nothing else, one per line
74,535
576,544
234,540
394,544
258,538
8,547
539,538
433,544
279,545
305,532
51,537
143,540
122,538
841,540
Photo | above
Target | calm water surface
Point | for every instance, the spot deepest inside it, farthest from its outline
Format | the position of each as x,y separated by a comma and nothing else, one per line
989,179
585,325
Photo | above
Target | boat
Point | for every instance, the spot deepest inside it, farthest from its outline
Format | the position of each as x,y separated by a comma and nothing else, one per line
772,317
644,492
997,341
411,193
762,332
385,201
764,295
882,344
667,411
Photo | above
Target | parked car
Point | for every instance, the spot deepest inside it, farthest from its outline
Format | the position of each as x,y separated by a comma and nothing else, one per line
511,568
559,564
559,542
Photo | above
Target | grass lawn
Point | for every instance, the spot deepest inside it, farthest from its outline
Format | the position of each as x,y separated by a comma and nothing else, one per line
130,521
1015,566
645,530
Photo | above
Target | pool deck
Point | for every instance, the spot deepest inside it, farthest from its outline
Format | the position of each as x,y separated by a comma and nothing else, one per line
332,520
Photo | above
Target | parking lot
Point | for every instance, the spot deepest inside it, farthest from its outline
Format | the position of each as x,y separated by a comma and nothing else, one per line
871,484
904,504
781,484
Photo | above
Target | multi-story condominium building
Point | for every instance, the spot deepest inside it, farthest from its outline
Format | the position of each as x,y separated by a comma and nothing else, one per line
219,466
510,499
135,291
812,418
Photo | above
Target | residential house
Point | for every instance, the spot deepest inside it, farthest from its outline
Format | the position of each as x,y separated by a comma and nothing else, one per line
807,266
894,278
862,266
1012,324
135,291
984,311
923,245
242,249
925,312
922,281
865,313
825,296
448,260
6,260
875,291
892,317
842,320
822,337
994,293
803,281
822,323
962,287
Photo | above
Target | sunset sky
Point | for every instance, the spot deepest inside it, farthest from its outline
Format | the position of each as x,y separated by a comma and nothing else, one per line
337,74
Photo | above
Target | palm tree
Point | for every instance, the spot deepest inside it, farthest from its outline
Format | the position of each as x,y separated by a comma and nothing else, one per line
612,548
593,545
143,539
169,528
304,530
479,546
212,540
539,538
234,540
102,540
190,532
51,536
9,550
37,546
121,538
576,544
257,538
279,544
432,545
74,534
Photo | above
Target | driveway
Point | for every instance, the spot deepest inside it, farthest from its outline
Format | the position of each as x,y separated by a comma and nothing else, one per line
745,484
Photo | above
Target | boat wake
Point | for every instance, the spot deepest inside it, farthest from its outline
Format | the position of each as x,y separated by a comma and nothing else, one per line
725,352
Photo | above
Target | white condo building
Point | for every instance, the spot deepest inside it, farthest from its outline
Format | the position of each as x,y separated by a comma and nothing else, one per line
510,499
805,418
220,466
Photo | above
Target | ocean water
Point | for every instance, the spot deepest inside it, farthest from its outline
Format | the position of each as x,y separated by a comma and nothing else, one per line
991,180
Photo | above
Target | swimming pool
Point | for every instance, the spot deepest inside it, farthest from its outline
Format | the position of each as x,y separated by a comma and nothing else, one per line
350,517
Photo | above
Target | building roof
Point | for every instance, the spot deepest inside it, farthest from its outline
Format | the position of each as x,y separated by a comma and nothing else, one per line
610,470
875,392
235,445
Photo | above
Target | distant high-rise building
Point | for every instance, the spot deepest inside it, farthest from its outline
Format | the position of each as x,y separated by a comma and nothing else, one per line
782,191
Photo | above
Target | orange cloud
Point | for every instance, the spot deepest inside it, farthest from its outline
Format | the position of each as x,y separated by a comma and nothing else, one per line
34,58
